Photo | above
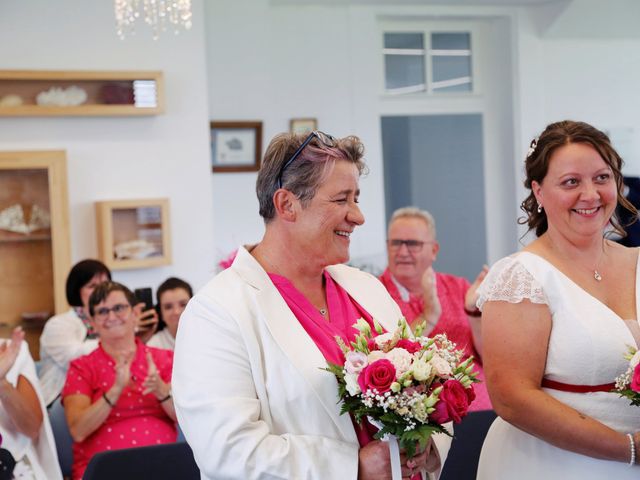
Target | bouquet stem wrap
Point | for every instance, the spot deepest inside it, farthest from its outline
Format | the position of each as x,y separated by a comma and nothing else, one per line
394,450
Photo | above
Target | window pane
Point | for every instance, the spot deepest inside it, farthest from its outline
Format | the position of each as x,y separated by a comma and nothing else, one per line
450,72
446,68
404,40
450,41
404,71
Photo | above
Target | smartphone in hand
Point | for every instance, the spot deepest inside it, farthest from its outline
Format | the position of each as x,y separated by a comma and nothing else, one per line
145,296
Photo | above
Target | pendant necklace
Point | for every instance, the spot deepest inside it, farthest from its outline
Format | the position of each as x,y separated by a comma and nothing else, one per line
323,311
596,273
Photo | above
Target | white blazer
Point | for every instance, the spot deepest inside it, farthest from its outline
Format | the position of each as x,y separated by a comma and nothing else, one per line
249,389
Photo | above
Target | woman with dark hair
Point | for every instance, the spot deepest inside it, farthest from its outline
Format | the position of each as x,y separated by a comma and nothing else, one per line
172,297
557,318
252,344
69,335
119,395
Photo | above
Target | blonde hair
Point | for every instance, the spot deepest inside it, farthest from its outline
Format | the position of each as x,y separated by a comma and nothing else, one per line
415,212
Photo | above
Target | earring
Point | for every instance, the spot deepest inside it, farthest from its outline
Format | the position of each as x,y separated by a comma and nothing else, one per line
539,208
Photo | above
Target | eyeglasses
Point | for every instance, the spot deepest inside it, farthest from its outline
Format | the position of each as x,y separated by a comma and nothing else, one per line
414,246
324,138
119,309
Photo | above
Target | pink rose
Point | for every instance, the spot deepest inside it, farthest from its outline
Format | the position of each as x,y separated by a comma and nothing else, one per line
379,375
408,345
471,394
371,343
635,380
453,403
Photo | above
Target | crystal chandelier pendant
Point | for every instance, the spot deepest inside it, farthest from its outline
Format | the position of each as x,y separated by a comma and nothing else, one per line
158,14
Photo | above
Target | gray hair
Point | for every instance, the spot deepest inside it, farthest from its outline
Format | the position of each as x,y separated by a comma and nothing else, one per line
415,212
306,173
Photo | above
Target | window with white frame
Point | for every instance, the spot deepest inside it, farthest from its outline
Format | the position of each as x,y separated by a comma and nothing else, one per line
427,61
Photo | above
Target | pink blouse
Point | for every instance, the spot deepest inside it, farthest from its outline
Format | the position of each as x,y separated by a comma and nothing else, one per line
343,310
136,420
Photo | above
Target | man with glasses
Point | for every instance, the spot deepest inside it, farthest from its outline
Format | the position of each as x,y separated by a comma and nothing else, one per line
445,303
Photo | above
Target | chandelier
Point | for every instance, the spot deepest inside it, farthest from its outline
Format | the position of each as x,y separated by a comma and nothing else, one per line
158,14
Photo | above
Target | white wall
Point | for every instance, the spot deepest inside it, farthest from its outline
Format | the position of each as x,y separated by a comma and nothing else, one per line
276,61
600,87
272,64
121,157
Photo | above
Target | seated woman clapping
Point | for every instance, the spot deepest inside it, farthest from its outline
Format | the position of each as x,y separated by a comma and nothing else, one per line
25,431
118,396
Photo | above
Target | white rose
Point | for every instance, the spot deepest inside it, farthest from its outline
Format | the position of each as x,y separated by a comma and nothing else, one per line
421,370
375,355
351,379
441,366
382,339
401,359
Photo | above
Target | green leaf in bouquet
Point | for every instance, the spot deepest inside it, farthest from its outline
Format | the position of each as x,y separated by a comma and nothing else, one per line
343,346
363,327
631,395
337,370
419,436
378,328
417,331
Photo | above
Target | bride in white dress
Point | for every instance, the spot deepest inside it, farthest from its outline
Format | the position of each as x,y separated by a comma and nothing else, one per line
557,319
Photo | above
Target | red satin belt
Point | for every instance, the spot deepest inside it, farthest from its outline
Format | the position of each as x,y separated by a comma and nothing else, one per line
566,387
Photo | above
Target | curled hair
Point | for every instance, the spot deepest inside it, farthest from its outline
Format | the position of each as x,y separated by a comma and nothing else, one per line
541,150
102,291
415,212
306,173
80,275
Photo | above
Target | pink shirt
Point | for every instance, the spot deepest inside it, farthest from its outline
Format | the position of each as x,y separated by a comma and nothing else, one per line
136,420
343,313
453,321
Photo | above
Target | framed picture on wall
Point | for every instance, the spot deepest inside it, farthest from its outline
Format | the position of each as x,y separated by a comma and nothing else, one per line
236,146
303,125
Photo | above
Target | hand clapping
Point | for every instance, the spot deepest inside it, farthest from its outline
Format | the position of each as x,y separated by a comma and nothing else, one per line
432,307
471,297
123,369
154,383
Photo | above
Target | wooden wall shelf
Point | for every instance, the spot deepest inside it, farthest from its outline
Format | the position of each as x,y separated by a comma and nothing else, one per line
134,233
34,262
109,93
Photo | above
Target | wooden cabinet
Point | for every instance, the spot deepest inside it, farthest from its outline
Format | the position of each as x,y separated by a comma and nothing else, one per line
134,233
35,255
80,93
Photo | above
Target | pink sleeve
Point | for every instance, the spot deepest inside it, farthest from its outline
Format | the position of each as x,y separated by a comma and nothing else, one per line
78,379
164,362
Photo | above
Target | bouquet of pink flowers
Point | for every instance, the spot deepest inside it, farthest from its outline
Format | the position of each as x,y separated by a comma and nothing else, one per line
407,386
628,384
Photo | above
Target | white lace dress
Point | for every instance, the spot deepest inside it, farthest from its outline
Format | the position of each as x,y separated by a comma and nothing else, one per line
586,347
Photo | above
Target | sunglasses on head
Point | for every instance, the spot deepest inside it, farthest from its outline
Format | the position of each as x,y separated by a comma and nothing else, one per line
324,138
